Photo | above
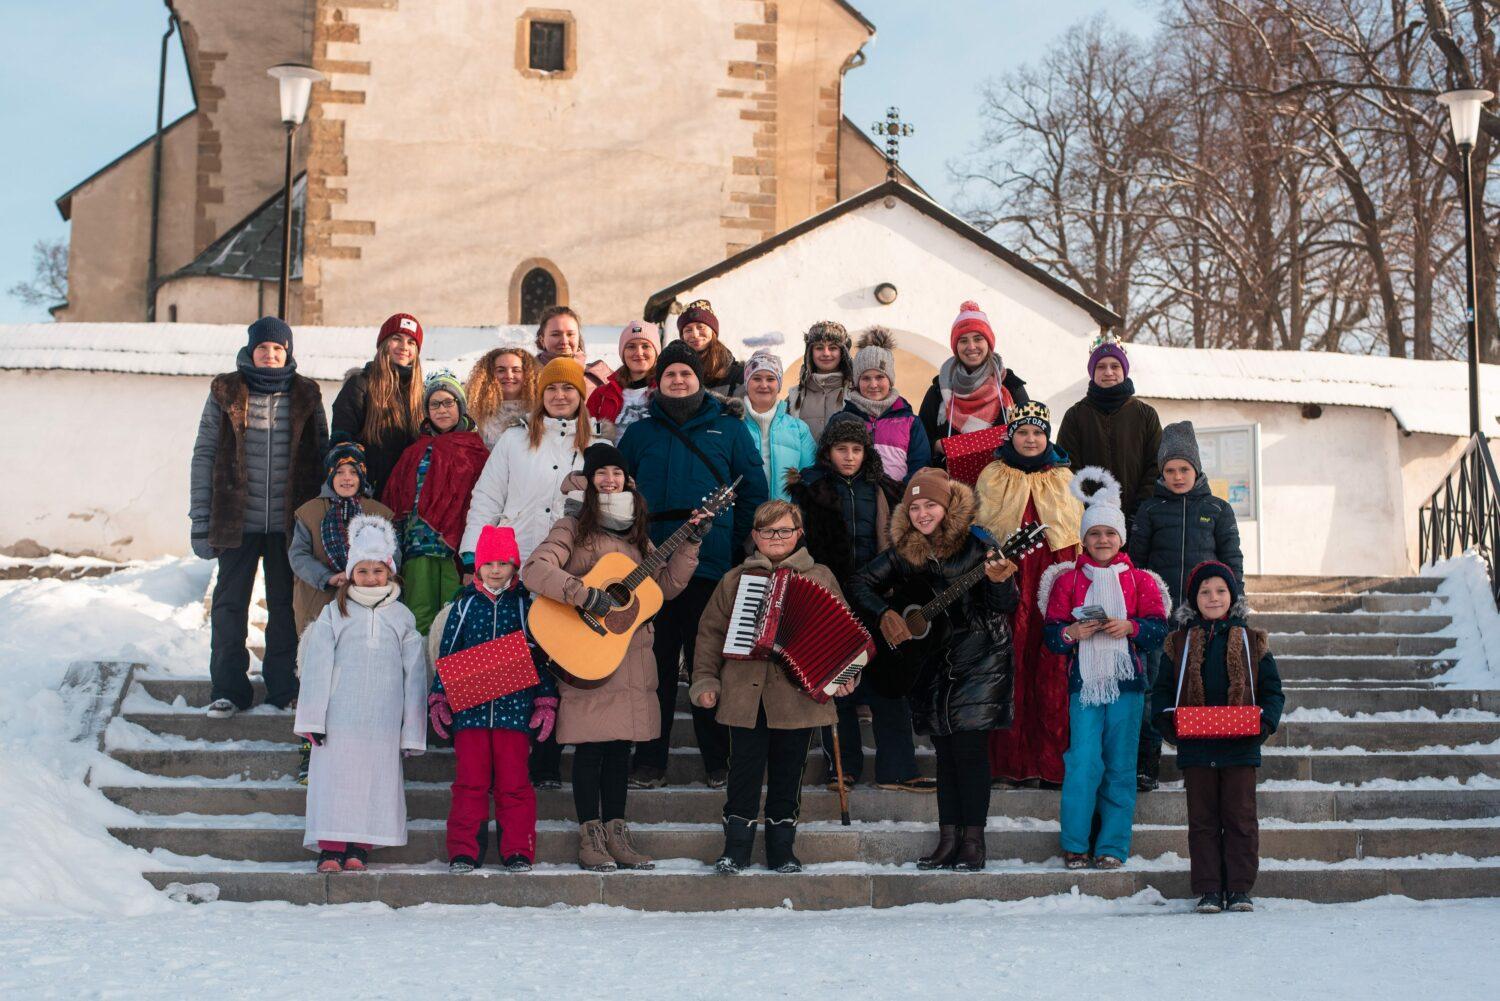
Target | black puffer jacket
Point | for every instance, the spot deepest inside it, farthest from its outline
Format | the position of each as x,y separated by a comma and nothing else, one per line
1172,533
969,687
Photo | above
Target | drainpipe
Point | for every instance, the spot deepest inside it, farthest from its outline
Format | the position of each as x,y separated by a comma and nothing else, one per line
161,103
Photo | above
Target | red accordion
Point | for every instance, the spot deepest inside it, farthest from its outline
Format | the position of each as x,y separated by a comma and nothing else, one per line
968,454
488,671
1215,722
799,624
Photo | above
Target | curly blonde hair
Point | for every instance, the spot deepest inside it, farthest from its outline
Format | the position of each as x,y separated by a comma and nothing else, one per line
483,388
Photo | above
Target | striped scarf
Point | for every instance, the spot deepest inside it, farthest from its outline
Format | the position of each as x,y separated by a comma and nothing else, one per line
335,529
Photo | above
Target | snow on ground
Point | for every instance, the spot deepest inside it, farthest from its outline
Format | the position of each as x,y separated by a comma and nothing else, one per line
1476,623
1058,947
56,858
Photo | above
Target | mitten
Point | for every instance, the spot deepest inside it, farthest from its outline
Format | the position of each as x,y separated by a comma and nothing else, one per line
203,549
313,738
544,717
597,603
439,714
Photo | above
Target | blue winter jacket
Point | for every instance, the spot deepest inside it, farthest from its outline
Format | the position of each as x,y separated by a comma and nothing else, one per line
792,446
674,481
474,618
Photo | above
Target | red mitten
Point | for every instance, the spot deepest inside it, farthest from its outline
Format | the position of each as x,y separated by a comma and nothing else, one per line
439,714
544,718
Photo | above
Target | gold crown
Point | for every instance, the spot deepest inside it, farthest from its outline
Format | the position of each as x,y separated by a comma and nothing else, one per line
699,304
1031,411
1106,339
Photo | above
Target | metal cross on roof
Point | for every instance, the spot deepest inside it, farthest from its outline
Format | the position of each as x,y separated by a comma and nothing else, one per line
893,129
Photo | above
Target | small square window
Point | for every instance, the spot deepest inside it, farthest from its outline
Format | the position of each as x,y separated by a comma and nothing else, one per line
548,51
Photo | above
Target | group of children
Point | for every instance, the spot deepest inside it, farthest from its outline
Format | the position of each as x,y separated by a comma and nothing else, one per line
1057,670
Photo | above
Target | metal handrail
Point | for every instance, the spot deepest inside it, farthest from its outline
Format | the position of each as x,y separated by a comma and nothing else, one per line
1463,513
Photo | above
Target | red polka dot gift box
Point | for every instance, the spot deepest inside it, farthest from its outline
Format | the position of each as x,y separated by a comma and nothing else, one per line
488,671
1215,722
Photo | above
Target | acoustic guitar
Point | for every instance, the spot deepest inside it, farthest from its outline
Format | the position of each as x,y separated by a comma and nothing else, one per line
895,669
589,647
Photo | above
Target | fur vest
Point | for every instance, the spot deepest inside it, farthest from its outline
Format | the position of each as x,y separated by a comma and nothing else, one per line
304,475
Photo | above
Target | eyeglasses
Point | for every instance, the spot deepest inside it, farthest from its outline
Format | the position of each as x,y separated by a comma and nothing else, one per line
443,404
777,533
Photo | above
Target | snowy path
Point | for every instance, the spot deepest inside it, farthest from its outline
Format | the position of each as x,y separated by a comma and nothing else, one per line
1063,947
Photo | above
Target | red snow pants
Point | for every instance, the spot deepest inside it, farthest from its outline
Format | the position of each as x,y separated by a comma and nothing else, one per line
492,763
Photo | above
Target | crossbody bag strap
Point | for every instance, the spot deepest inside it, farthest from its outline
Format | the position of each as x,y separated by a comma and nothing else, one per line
1187,644
1249,667
683,514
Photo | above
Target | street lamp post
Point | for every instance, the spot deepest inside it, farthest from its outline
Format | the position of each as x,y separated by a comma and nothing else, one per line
1463,113
295,82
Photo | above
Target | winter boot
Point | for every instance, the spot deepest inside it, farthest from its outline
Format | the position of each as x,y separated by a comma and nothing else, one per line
593,854
330,861
461,865
943,856
780,835
970,850
517,863
1210,903
617,842
356,859
739,839
1147,767
1239,903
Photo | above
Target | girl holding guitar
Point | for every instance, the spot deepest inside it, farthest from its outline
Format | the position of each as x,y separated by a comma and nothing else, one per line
964,692
602,718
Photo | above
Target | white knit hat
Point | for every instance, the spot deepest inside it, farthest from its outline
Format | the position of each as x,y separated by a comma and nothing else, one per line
1099,491
371,538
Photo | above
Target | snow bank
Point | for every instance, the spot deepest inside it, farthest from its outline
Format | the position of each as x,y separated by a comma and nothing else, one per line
1476,623
58,858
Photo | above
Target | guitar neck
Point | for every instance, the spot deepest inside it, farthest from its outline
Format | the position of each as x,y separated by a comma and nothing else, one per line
958,587
652,564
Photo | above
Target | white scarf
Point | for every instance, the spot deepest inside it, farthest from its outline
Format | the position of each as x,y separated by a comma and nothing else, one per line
1103,661
617,511
374,597
764,420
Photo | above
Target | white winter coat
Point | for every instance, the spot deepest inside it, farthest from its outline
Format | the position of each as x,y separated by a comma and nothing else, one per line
521,486
364,686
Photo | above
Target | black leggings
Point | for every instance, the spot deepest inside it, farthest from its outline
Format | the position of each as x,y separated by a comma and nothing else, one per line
600,771
963,778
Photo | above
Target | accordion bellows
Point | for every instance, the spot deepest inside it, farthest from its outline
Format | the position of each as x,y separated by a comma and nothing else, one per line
799,624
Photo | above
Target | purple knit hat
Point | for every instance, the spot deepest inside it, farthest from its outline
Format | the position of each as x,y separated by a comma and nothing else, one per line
1108,346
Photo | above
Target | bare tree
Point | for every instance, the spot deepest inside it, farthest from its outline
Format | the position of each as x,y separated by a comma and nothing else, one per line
49,281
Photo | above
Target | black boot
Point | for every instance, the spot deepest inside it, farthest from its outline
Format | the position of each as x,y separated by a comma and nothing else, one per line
943,856
970,850
1147,767
739,839
780,834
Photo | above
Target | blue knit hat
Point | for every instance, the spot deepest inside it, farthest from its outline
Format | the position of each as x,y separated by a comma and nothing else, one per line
273,329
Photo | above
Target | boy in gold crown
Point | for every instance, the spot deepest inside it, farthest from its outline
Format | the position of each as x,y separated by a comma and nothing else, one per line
1028,482
1111,427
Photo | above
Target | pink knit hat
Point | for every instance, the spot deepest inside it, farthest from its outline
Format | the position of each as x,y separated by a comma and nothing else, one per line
640,330
497,544
971,320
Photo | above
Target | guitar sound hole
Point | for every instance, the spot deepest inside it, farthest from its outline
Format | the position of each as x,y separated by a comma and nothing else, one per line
619,593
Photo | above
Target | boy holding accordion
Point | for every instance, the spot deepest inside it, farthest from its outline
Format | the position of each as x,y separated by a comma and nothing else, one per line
770,718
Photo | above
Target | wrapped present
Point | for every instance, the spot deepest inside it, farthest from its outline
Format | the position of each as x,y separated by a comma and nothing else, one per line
968,454
488,671
1206,722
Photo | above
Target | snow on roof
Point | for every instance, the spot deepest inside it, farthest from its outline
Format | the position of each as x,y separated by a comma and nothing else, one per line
1423,396
205,349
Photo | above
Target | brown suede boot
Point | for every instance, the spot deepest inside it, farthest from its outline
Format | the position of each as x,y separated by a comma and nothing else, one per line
946,851
617,841
593,853
970,850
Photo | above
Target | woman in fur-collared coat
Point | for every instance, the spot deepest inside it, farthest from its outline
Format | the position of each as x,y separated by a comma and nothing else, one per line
964,690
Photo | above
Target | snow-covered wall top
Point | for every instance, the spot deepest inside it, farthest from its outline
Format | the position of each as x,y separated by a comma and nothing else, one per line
326,353
1424,396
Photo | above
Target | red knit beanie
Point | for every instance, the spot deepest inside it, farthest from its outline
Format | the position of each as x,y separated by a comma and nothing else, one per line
400,323
971,320
497,544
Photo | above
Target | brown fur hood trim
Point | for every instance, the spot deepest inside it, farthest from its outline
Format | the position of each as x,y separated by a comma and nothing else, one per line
951,535
734,406
1186,613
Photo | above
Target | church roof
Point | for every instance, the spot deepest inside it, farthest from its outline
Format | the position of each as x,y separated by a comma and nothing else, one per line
658,304
251,248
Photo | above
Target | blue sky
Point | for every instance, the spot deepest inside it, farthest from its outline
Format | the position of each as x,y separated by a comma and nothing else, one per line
80,88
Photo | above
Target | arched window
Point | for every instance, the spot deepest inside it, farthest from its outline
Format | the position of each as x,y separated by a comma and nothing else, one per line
538,291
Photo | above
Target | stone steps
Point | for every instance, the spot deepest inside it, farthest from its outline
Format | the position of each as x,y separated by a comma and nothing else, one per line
701,805
558,843
813,890
1353,805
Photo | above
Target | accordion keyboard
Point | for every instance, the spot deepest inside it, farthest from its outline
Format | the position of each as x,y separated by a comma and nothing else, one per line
739,639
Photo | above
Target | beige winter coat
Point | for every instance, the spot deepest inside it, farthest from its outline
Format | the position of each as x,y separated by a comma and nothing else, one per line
623,706
743,685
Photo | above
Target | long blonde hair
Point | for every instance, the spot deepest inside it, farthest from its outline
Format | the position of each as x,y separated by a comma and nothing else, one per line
539,414
386,407
483,389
